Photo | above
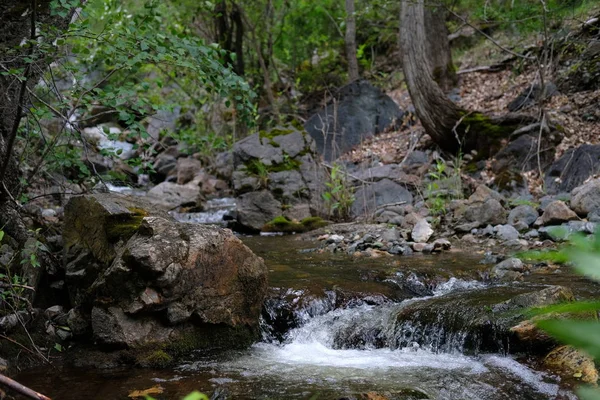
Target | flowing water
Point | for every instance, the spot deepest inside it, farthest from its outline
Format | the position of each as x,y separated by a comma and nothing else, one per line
331,330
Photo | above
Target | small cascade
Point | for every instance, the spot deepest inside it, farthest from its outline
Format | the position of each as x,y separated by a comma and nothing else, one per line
215,212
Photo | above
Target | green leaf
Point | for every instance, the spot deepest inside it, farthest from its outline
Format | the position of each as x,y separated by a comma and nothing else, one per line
196,396
588,393
584,335
576,307
1,234
586,263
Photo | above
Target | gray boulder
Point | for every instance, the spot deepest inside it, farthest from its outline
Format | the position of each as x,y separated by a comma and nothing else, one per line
255,209
169,195
585,199
556,213
359,111
372,196
522,213
506,233
488,212
573,168
281,162
508,270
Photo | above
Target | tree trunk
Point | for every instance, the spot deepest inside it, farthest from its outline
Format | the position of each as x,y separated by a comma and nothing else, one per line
451,128
230,34
350,40
436,112
438,48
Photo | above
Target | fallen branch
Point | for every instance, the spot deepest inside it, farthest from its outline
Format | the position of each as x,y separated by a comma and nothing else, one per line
24,390
483,68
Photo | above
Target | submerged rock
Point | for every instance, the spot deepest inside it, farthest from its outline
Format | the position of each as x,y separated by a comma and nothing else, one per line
143,279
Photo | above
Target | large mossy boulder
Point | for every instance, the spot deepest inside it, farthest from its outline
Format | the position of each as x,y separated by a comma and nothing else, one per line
276,172
147,281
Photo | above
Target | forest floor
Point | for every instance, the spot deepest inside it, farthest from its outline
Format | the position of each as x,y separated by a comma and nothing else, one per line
491,92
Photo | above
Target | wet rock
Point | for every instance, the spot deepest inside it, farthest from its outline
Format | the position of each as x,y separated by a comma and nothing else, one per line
422,231
556,213
572,363
506,233
158,280
522,214
585,199
171,195
359,111
478,320
255,209
508,270
370,197
573,169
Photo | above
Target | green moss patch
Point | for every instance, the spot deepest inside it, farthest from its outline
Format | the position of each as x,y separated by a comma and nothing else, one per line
283,224
124,226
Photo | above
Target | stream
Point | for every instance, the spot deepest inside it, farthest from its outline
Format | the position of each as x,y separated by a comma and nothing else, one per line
330,330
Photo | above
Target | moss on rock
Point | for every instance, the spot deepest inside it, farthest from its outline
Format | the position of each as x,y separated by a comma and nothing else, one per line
285,225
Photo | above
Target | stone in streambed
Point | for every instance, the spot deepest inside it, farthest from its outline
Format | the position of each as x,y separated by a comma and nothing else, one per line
422,231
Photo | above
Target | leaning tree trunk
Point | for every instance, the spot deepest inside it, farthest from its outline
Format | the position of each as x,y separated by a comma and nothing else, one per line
451,128
438,49
350,40
436,112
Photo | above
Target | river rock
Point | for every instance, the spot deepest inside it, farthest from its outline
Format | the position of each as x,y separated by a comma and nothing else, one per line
570,362
187,169
422,231
506,233
156,281
556,213
483,194
489,212
282,162
358,112
255,209
523,213
508,270
169,195
372,196
585,199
